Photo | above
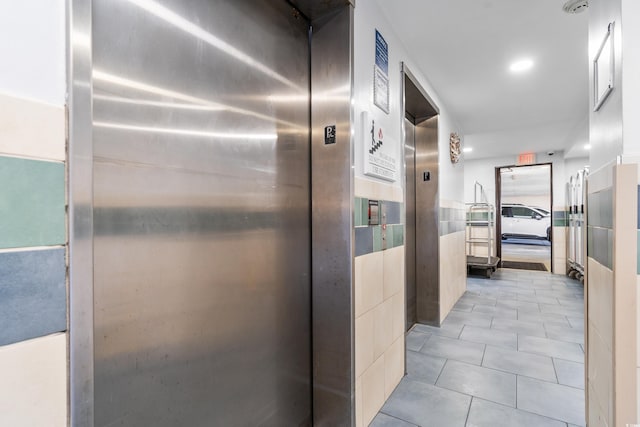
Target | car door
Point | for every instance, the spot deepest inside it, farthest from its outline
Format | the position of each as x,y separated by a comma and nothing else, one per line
526,221
507,220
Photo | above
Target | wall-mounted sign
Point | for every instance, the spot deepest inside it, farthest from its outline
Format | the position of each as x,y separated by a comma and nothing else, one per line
381,74
379,154
330,134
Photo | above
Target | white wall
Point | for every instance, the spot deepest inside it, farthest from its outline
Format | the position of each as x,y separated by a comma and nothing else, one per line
368,18
483,171
32,48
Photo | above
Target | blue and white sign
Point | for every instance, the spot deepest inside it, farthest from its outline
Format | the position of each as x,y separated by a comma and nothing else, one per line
382,53
381,74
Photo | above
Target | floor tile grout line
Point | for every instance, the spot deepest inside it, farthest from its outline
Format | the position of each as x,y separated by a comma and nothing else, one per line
397,418
440,373
466,420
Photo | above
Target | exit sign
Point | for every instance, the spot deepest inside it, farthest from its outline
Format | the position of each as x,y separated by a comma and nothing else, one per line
526,158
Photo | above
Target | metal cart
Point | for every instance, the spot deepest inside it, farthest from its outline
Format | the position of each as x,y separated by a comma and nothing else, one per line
480,235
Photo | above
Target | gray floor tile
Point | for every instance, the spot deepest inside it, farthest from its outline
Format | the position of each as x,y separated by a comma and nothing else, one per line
562,333
449,348
449,330
537,299
415,340
489,384
562,309
553,318
489,414
473,318
505,313
477,300
572,302
384,420
427,405
576,322
520,305
551,348
520,327
570,373
461,306
551,400
493,337
424,368
516,362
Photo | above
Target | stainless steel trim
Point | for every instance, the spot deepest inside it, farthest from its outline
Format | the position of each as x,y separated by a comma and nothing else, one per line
80,212
332,222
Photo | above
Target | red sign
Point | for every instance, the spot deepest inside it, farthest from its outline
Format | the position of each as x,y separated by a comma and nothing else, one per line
526,158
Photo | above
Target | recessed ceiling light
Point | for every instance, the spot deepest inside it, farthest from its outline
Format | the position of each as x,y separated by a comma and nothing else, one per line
521,65
587,146
467,149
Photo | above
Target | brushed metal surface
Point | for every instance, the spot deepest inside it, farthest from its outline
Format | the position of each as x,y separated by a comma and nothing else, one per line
427,223
422,203
201,212
80,212
410,211
332,217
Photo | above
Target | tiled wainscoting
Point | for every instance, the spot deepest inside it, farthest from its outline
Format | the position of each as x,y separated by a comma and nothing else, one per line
379,298
33,269
453,264
560,229
611,289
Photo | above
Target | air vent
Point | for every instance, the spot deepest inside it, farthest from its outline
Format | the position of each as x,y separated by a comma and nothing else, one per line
576,6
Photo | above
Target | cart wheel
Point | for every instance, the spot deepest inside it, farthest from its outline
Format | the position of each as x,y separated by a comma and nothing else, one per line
488,273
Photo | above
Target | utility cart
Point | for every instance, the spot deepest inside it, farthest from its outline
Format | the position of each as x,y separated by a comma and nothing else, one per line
480,234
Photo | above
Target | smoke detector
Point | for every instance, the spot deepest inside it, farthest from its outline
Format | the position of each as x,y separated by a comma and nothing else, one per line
575,6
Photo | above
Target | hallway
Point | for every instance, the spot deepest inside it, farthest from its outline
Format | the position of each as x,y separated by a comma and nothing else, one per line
510,354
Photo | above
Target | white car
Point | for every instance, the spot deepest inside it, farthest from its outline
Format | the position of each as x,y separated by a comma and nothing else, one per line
528,222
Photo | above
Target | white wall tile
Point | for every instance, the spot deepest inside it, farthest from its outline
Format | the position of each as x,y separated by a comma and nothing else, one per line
33,385
31,128
368,281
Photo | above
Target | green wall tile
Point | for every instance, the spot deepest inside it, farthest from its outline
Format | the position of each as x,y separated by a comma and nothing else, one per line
377,238
32,210
398,235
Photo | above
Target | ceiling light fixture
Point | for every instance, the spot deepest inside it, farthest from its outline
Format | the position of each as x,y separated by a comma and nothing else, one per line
575,6
467,149
521,65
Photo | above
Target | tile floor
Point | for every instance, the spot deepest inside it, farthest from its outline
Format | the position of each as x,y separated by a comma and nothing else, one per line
509,354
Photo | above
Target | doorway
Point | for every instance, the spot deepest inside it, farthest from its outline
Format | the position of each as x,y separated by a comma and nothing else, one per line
524,197
422,207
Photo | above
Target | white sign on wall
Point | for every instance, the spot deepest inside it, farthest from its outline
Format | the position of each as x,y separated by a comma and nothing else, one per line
379,155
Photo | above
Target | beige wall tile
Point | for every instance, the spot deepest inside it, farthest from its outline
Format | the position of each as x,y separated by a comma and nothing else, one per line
31,128
359,420
33,390
393,366
453,271
373,390
393,271
368,281
364,188
378,190
398,315
382,327
600,285
364,342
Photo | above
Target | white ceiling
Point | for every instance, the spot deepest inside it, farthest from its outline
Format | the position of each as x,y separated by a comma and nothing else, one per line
465,47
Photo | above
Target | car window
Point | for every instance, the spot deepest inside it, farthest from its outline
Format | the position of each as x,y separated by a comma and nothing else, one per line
506,211
521,211
543,211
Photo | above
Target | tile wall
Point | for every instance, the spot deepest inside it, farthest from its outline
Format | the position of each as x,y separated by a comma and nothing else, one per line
559,239
379,298
453,264
33,268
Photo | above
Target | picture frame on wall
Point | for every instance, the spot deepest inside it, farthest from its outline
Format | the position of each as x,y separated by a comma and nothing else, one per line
604,69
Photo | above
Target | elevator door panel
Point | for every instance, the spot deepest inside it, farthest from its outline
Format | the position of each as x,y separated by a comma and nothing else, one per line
410,234
201,213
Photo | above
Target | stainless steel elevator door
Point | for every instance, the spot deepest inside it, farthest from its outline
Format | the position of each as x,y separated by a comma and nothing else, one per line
201,213
410,233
